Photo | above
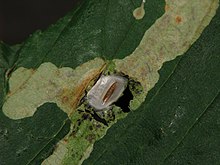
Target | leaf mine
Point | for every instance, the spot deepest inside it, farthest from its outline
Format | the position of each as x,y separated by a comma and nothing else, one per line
31,88
169,37
139,12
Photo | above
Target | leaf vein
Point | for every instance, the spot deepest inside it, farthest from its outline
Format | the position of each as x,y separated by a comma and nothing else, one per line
191,127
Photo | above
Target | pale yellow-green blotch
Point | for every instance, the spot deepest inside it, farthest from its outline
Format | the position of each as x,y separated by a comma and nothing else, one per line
65,86
58,155
139,12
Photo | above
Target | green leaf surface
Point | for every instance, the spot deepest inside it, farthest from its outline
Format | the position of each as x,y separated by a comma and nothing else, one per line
96,29
179,121
39,44
7,59
6,56
29,141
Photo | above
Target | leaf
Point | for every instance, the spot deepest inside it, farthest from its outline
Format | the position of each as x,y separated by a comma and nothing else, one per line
83,34
105,29
179,121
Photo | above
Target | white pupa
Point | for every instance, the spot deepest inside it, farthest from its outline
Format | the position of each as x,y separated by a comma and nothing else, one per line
106,91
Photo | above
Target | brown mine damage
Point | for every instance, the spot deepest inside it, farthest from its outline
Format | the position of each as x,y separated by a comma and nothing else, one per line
167,7
71,97
178,19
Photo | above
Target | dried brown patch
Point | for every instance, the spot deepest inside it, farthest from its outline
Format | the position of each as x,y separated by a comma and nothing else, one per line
178,19
167,7
72,97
